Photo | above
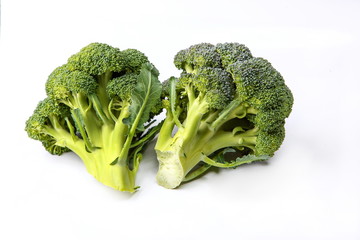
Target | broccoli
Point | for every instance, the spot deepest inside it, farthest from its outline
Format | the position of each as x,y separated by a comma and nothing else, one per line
100,105
227,108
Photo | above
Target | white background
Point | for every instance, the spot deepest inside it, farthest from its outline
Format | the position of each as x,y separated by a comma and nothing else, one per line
309,190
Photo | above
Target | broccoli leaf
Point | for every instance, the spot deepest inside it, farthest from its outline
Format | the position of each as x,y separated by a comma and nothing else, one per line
173,101
144,96
237,162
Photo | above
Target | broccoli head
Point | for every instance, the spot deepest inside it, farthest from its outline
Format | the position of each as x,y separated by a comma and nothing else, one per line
99,105
225,103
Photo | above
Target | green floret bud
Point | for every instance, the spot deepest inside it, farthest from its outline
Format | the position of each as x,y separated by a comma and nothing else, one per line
165,88
254,76
97,59
214,84
156,109
200,55
81,82
232,52
45,111
134,59
122,87
56,84
180,59
217,86
62,82
268,143
70,87
47,115
185,79
260,85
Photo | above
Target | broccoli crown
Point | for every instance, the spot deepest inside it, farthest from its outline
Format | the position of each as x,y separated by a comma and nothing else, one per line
97,59
228,71
225,100
204,69
215,83
199,55
262,87
62,83
258,83
220,55
46,109
99,105
97,64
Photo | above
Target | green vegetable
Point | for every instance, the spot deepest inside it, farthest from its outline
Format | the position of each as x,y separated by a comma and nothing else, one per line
100,105
225,104
226,108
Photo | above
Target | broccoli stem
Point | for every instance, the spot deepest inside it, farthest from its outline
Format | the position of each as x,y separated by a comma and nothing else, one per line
199,138
79,122
100,109
224,139
180,157
88,115
175,154
190,94
80,101
175,111
148,136
119,131
101,93
235,109
97,163
117,176
196,111
123,157
165,131
66,139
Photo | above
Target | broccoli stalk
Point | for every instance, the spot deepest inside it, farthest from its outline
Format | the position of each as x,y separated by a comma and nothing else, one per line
99,106
225,103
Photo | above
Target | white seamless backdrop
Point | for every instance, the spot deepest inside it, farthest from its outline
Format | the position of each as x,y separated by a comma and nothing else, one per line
309,190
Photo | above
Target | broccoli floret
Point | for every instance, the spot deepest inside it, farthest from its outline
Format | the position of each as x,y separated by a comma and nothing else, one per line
232,52
47,117
225,103
98,59
99,105
134,59
200,55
